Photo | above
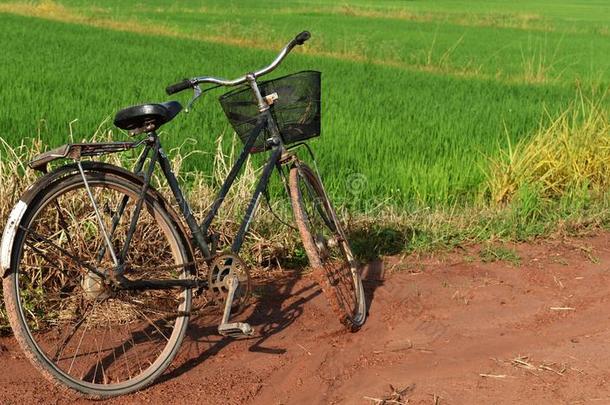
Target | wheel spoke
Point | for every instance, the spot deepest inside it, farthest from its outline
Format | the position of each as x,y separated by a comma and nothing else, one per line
62,345
39,238
80,342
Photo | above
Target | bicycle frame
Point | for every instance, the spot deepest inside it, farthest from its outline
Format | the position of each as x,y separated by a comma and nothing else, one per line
200,231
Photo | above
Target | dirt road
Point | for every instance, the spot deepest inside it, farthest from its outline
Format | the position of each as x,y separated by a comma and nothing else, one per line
447,329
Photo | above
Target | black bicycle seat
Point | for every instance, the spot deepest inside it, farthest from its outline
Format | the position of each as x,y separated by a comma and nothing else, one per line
146,117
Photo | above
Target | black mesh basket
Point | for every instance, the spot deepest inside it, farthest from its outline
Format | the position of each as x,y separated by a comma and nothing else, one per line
296,109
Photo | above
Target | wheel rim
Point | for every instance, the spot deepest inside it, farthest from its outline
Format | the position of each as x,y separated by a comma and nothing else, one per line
92,336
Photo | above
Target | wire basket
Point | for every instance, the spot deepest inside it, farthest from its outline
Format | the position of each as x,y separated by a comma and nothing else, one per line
296,110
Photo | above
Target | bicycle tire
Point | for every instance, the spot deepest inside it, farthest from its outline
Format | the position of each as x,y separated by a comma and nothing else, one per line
126,309
337,273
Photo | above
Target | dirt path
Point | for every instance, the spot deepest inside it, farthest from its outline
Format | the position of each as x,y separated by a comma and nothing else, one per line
449,330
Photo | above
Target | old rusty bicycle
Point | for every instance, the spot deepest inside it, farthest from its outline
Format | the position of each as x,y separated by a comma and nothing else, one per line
100,270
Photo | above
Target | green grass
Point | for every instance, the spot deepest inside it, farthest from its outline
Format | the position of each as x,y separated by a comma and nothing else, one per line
479,37
421,102
491,253
415,104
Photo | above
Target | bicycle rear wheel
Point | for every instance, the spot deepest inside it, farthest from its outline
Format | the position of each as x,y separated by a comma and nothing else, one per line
71,324
327,247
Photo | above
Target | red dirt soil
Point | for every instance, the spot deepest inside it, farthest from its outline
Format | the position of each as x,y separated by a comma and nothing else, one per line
446,329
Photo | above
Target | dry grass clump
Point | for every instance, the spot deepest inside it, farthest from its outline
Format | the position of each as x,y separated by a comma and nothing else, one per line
14,173
569,153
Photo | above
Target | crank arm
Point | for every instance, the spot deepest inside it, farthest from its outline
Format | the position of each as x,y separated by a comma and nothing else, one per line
233,282
235,329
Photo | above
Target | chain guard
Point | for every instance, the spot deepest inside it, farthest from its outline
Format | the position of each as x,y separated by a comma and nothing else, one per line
222,267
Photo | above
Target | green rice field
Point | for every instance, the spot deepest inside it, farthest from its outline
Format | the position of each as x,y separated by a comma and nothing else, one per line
418,95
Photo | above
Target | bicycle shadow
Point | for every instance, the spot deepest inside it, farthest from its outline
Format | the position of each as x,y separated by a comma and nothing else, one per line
280,302
370,245
278,305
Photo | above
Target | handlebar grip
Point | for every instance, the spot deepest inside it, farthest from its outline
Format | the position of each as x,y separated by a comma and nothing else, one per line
302,37
299,39
177,87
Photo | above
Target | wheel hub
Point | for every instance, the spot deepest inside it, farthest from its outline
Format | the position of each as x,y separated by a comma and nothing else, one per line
325,245
94,287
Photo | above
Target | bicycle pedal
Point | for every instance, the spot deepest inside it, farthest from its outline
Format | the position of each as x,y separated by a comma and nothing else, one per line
235,329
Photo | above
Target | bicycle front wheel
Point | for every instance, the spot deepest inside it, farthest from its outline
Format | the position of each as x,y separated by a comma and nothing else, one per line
327,247
71,323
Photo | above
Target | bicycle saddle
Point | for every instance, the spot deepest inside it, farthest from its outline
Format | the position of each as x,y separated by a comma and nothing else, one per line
146,117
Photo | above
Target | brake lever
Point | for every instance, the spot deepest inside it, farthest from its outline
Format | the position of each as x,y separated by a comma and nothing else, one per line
197,93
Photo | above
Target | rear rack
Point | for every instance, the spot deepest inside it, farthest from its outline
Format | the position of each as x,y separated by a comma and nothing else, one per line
76,150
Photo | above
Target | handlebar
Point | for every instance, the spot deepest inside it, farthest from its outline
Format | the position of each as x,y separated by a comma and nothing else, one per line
190,83
178,87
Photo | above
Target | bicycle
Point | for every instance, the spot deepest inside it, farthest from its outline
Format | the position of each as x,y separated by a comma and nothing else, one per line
100,270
